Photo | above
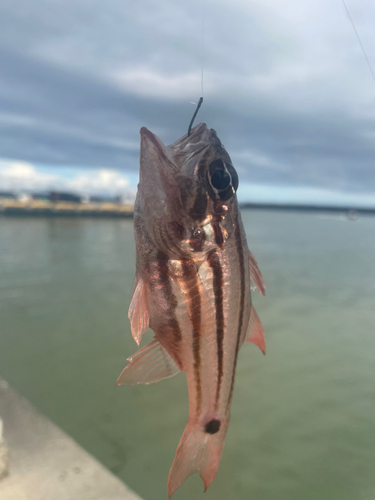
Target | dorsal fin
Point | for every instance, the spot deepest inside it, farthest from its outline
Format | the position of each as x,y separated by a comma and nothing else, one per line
148,365
138,311
255,275
255,331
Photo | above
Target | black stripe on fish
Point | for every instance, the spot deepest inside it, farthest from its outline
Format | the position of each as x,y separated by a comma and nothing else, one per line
195,312
215,224
241,260
199,208
160,280
219,239
218,284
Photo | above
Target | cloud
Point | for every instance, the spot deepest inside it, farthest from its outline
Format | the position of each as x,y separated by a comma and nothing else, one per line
285,84
22,176
108,181
147,83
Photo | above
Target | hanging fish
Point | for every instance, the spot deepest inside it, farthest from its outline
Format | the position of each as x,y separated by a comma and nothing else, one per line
193,277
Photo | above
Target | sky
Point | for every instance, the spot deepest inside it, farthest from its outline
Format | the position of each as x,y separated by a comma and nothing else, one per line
285,85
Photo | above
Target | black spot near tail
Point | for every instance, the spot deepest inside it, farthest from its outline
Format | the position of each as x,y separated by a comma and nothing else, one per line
213,426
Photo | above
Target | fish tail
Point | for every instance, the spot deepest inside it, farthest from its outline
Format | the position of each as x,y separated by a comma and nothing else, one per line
198,451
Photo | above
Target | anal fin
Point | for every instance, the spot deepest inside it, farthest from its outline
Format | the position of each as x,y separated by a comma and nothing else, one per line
255,331
255,275
138,312
148,365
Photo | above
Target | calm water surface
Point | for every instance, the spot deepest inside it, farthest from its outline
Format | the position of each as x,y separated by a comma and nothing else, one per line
303,416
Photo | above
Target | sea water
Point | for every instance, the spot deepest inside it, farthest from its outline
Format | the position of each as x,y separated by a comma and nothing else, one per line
303,416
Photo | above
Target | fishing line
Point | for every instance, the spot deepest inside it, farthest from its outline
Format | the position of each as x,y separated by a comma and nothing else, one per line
202,72
194,115
359,41
203,48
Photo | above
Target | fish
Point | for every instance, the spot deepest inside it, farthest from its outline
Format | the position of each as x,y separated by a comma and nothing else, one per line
194,274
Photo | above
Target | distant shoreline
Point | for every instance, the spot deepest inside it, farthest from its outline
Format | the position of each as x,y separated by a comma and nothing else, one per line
42,208
38,208
308,208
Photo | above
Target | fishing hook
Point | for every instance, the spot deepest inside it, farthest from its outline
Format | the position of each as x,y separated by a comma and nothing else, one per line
194,115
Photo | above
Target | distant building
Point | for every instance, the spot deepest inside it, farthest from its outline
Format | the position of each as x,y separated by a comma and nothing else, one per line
102,199
40,196
58,196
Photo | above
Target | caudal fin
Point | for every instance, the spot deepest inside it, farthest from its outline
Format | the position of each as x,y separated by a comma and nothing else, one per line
198,451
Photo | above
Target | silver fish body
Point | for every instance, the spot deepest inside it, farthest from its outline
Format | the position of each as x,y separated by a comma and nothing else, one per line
193,279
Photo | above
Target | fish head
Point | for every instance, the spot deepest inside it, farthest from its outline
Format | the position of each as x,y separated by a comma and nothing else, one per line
207,179
186,184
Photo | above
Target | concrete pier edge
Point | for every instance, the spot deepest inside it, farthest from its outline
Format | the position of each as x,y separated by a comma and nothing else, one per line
45,463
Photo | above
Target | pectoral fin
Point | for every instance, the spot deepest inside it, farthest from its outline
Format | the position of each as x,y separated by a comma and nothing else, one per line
148,365
255,331
255,275
138,312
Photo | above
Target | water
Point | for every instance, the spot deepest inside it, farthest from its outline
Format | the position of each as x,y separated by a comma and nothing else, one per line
303,417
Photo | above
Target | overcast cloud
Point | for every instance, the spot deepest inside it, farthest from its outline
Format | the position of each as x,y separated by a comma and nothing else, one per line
286,85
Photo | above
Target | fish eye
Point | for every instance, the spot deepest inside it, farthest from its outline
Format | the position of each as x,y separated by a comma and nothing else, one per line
222,180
